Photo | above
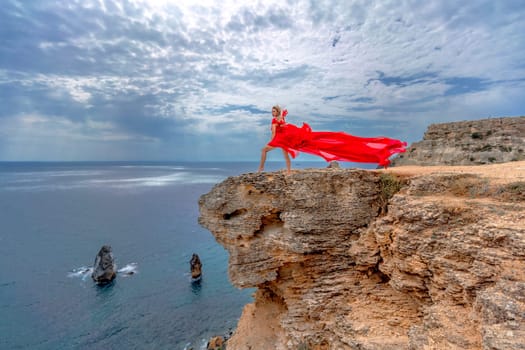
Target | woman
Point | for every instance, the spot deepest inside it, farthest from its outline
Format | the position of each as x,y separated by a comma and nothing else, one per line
278,138
328,145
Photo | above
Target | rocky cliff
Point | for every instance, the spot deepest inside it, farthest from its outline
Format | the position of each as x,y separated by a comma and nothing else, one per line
485,141
404,258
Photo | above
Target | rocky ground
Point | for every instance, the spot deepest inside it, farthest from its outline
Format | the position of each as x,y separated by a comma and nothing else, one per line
405,258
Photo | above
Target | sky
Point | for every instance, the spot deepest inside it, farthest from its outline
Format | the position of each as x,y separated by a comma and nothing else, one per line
173,80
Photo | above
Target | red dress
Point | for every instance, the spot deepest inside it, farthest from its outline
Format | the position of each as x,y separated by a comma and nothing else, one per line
334,145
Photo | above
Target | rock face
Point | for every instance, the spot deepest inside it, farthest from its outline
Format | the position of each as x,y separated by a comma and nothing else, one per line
195,266
485,141
357,259
104,269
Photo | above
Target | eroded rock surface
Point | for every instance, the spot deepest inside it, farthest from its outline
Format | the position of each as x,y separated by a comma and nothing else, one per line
104,268
475,142
195,267
340,263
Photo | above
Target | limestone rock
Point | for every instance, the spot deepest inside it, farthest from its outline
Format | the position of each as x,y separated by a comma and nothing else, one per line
443,267
216,343
502,309
334,165
196,267
104,269
485,141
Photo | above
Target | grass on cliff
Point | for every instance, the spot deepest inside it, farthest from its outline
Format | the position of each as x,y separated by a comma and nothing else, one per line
469,186
513,192
390,185
475,187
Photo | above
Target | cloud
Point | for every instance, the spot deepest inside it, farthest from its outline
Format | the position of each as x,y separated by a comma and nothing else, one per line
197,77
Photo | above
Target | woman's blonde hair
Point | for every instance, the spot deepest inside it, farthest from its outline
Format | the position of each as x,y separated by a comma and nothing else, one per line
278,108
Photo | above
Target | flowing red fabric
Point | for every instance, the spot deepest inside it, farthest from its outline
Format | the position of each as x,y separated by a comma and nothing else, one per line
335,145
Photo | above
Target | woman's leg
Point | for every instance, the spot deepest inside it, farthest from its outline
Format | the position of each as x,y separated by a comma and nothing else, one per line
265,150
288,162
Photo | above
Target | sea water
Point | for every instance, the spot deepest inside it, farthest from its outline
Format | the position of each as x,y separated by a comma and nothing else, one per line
54,218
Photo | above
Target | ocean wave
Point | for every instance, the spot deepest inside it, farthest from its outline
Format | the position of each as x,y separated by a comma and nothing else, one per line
44,180
84,271
44,187
169,167
202,344
176,178
57,173
157,181
144,181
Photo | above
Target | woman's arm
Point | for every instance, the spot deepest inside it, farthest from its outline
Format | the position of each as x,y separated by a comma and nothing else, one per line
274,127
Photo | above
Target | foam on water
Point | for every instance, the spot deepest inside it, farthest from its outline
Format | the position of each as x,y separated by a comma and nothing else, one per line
83,272
203,345
129,269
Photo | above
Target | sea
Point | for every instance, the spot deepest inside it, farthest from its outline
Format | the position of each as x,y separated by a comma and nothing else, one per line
55,217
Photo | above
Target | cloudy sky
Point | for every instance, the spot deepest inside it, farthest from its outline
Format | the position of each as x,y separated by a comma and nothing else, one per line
196,80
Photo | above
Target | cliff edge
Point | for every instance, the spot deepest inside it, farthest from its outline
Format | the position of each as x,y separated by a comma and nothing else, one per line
404,258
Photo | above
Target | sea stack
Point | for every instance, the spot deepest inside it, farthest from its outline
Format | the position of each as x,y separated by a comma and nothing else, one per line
196,267
104,269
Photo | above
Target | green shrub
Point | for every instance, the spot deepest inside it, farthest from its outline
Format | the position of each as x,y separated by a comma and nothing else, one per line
390,185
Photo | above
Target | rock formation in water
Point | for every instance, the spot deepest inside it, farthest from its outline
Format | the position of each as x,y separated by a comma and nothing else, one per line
216,343
196,267
104,269
485,141
376,259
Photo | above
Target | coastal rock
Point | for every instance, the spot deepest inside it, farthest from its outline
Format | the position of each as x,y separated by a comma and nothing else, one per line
104,269
484,141
334,165
405,258
196,267
216,343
